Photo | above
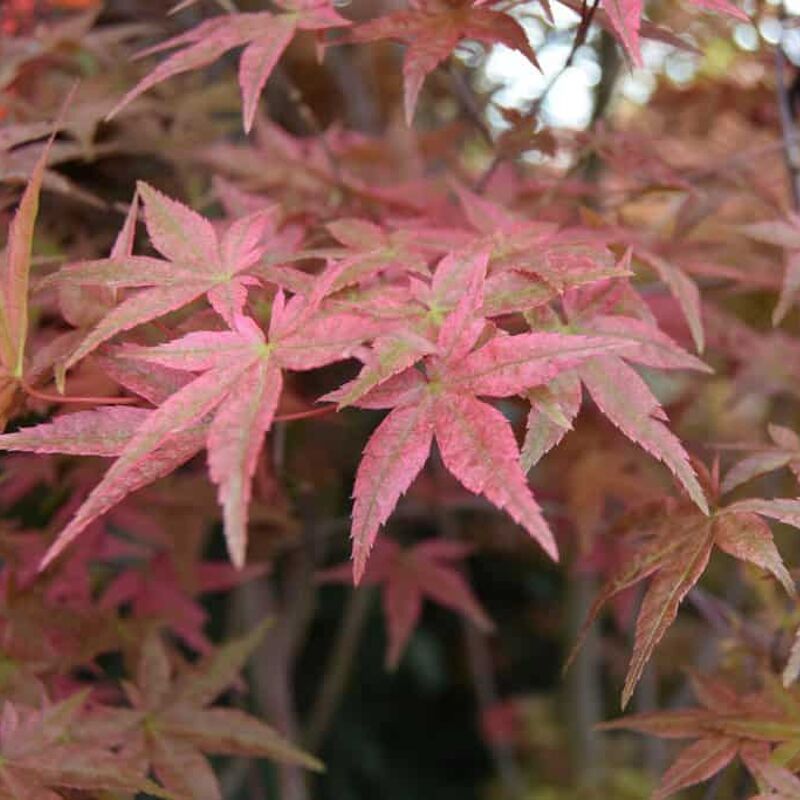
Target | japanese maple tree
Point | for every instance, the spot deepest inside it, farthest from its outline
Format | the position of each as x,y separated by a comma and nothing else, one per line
292,295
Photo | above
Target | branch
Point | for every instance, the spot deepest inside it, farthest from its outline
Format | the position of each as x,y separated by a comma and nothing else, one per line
338,668
467,101
587,15
791,146
481,668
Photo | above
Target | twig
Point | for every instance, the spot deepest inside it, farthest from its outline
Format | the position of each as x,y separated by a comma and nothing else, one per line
308,118
338,668
584,694
314,412
361,108
293,607
791,146
480,666
467,101
271,679
483,680
582,688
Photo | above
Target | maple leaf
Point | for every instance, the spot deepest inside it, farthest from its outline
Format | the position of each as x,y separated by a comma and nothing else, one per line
431,31
38,755
171,723
475,440
673,550
15,266
238,391
416,311
783,233
157,589
532,262
784,452
409,575
198,263
372,249
265,36
616,388
728,723
625,17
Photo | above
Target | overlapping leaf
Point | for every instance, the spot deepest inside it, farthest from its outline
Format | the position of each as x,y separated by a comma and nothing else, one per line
626,19
38,755
616,388
728,723
171,724
432,30
475,440
673,550
783,452
408,576
229,405
264,35
196,263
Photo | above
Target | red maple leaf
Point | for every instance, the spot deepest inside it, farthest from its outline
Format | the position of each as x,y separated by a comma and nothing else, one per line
197,262
172,724
433,28
728,723
673,548
407,576
264,36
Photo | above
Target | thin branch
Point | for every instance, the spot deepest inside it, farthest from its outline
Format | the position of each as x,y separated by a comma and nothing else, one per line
583,689
271,677
582,696
308,118
467,101
485,685
484,680
587,16
791,147
338,668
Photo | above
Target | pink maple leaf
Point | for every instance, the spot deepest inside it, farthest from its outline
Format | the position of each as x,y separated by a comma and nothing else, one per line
264,36
196,262
476,441
229,406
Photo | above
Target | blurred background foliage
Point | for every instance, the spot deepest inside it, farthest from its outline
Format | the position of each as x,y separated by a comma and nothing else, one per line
683,148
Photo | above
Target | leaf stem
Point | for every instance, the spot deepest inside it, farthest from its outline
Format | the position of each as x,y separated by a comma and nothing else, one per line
314,412
63,398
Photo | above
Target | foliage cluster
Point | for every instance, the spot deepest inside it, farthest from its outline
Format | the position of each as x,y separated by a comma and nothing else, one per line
508,340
